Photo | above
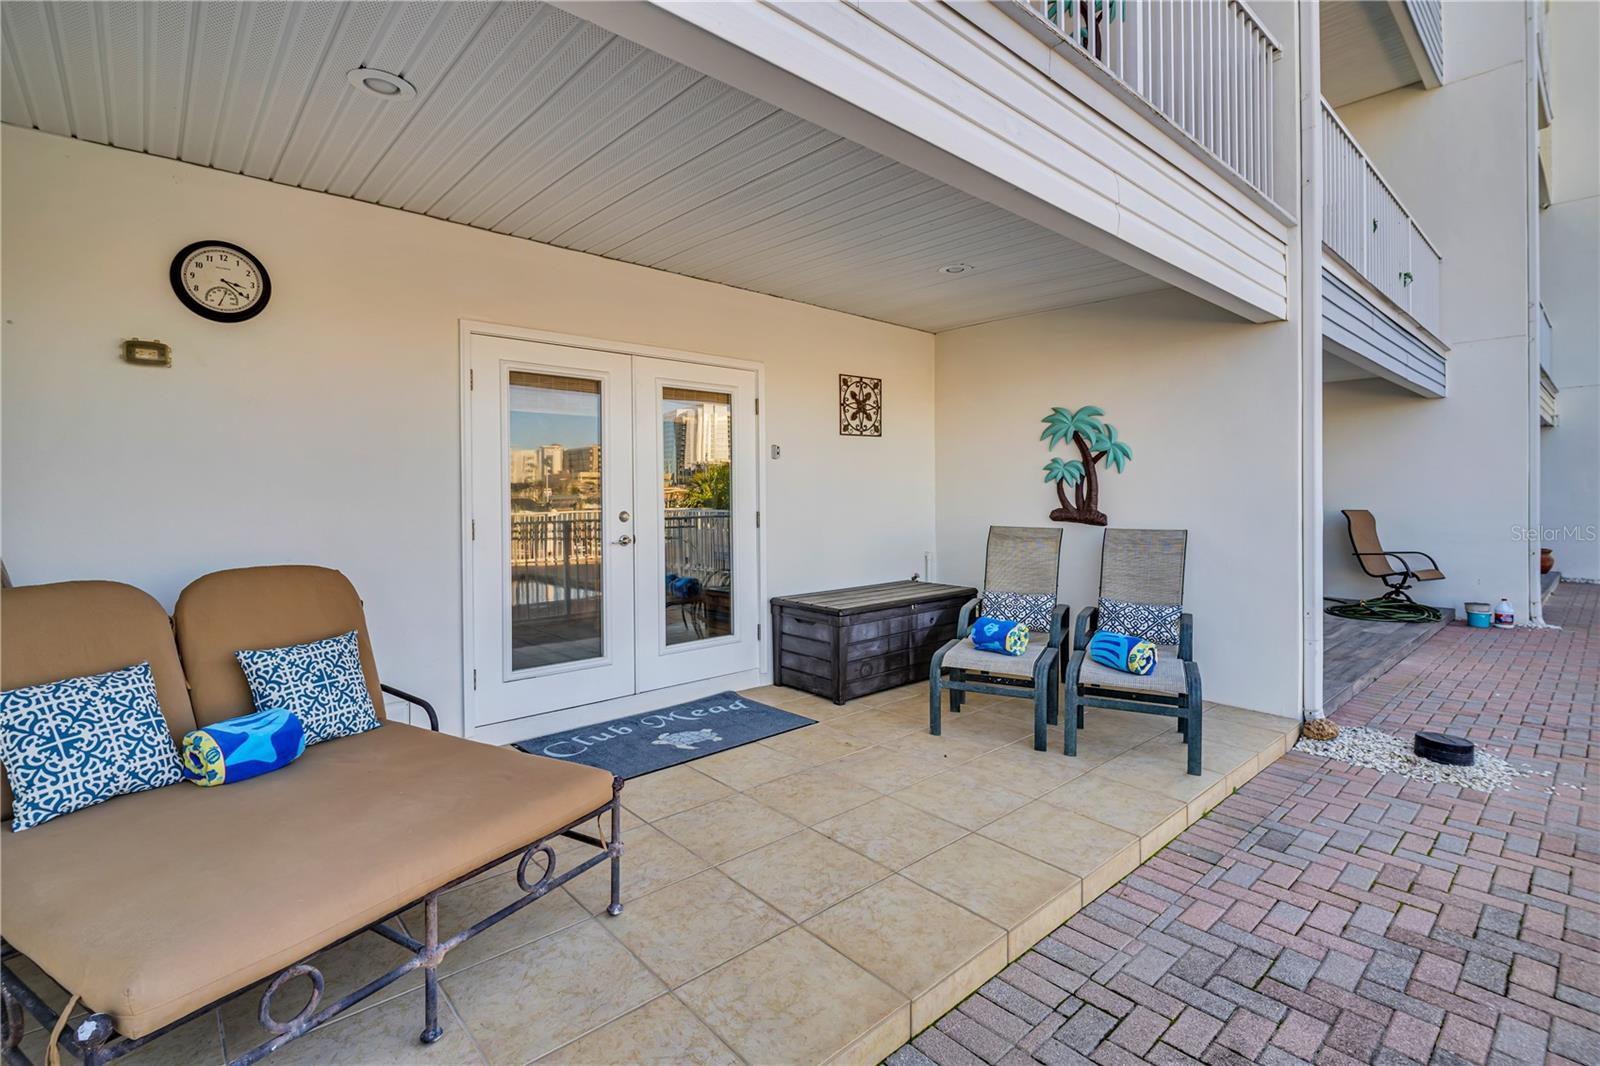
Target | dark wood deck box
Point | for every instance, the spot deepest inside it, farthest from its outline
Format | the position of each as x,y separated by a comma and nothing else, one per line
851,642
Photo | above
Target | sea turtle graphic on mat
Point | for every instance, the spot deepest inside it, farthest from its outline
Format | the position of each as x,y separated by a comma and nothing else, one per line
686,741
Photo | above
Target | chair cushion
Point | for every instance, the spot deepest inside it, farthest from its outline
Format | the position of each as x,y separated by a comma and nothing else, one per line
79,628
319,682
1167,679
965,657
1156,622
1430,574
261,607
74,743
123,902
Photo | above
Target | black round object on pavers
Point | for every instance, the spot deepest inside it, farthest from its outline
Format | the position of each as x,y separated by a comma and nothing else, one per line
1437,747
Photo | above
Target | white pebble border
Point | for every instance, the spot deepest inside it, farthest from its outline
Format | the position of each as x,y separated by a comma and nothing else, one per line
1380,751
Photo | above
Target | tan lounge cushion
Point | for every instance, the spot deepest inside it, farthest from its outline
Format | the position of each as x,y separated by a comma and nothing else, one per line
154,905
260,607
78,628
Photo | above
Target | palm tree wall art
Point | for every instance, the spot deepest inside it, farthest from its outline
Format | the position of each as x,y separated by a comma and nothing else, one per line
1097,444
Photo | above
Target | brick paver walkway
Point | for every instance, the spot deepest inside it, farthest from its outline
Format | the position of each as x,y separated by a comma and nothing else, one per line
1327,914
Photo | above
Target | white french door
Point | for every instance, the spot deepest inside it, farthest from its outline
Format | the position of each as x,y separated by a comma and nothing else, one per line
695,495
613,527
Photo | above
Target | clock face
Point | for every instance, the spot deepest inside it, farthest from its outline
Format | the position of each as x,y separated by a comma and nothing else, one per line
220,281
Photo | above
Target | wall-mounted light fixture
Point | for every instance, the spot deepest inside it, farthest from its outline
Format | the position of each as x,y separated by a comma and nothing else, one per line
146,353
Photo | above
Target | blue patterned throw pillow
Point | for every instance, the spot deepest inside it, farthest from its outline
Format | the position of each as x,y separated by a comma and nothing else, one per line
72,744
321,682
1155,622
1029,608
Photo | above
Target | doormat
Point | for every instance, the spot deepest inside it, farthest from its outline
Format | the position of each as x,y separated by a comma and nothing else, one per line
643,743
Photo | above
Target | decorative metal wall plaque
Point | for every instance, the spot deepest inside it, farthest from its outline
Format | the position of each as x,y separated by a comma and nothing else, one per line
860,406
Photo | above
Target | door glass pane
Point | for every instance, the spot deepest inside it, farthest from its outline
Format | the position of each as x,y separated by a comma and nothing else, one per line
556,529
696,483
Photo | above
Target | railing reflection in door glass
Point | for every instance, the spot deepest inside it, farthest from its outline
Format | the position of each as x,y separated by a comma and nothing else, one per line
556,556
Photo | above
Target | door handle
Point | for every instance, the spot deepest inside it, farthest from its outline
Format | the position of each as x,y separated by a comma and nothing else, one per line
623,540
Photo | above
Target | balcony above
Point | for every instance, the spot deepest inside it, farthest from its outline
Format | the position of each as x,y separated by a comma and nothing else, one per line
628,131
1377,46
1380,272
1149,140
1549,392
1205,66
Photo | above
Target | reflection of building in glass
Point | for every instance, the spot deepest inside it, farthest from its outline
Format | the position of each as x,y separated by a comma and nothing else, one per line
697,436
673,436
582,460
538,466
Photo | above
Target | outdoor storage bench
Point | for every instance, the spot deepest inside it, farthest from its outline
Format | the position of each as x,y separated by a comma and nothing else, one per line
154,906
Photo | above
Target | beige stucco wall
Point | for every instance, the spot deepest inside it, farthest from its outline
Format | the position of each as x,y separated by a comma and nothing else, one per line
1451,476
1210,407
1569,249
327,429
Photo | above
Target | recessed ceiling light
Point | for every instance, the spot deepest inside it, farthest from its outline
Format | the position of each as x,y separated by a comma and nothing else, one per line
381,83
957,268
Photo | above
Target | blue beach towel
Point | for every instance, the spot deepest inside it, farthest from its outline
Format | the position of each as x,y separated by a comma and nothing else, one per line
999,635
244,747
1119,651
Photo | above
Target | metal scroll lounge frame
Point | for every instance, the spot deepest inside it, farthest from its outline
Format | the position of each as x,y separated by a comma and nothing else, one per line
1017,559
94,1040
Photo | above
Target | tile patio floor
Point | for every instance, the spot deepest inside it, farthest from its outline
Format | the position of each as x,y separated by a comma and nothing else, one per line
819,896
1329,915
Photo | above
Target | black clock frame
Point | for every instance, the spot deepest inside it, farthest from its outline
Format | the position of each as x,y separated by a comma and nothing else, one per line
175,275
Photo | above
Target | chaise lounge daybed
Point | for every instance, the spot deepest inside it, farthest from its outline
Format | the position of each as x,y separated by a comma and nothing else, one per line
157,906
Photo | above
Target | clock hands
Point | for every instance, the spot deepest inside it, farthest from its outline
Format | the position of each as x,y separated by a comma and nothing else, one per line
232,286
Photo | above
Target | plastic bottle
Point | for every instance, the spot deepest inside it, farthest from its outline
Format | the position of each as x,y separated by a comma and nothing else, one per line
1504,616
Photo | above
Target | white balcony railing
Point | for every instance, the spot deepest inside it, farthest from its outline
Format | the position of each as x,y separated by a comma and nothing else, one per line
1541,40
1427,17
1204,65
1546,342
1365,224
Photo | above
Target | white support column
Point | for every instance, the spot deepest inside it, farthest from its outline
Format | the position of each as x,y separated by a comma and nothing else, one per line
1311,178
1530,67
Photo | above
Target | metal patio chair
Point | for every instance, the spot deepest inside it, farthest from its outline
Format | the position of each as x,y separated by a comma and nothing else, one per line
1018,559
1139,566
1394,569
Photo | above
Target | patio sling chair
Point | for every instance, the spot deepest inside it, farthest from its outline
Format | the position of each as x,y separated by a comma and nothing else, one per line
1394,569
1139,566
1019,559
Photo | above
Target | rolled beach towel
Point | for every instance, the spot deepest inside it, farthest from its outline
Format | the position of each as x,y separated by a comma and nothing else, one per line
1119,651
241,748
999,635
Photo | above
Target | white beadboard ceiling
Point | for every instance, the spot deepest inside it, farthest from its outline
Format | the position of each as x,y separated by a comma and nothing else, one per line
530,122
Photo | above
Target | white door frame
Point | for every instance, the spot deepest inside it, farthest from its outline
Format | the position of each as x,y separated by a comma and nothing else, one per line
574,717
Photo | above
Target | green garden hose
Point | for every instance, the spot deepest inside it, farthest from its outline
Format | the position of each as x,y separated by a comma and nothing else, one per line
1387,609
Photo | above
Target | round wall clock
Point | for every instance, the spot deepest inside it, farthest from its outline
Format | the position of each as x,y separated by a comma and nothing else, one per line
220,281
